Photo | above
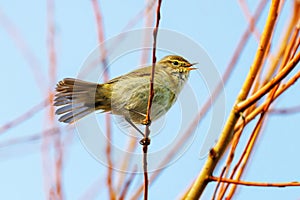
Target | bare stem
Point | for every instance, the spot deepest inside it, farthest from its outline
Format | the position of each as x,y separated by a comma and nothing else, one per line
266,88
103,52
217,151
147,121
257,184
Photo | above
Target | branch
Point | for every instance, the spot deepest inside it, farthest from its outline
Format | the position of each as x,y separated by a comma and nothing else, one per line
249,18
291,110
250,145
218,150
207,105
266,88
31,138
101,38
147,121
271,97
127,185
259,109
256,184
24,48
25,116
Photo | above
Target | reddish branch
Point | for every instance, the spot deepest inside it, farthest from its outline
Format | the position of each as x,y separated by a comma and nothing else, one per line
261,92
25,116
30,138
57,191
101,38
232,63
151,90
249,17
291,110
139,16
127,185
257,184
147,121
263,109
259,109
24,48
218,150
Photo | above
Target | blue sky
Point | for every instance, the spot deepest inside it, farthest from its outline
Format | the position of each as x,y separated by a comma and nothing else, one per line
214,26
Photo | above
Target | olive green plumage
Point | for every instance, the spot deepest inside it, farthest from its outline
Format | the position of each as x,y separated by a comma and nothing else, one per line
126,95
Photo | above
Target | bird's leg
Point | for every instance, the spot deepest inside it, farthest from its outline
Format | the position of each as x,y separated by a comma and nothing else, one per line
134,126
144,141
145,121
137,112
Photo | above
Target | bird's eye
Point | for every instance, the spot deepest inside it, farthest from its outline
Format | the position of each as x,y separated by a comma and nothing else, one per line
175,63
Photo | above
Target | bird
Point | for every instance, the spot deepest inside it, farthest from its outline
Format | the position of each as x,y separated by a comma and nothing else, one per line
126,95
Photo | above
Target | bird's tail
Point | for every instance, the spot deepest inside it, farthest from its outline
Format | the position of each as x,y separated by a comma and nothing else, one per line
79,98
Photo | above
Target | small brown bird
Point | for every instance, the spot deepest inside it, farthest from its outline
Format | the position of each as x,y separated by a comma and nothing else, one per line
126,95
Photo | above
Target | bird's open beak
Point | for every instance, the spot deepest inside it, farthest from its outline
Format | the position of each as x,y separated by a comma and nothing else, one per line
191,68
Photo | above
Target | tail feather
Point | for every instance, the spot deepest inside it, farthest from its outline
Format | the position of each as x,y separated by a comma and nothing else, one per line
70,117
60,102
68,108
78,99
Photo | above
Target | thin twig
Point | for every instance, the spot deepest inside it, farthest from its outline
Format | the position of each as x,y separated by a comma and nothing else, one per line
127,185
253,138
269,100
30,138
57,190
93,190
147,121
207,105
286,55
125,162
58,156
226,135
24,48
25,116
248,150
52,181
295,48
238,134
229,160
219,183
249,17
249,147
257,184
144,11
144,58
283,44
148,23
284,111
259,109
101,38
151,90
266,88
139,15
